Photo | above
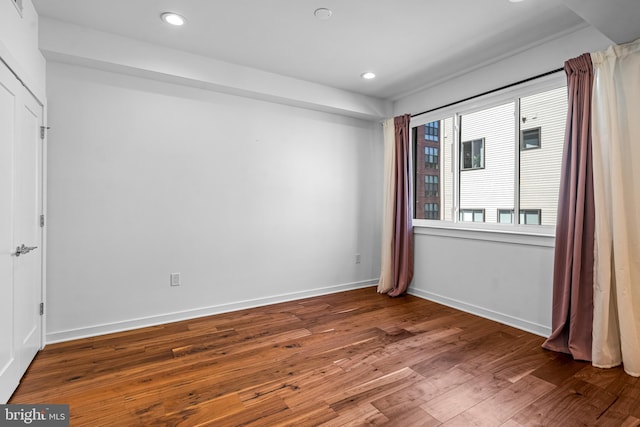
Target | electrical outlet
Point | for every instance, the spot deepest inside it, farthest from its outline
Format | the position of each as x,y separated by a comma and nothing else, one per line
357,258
175,279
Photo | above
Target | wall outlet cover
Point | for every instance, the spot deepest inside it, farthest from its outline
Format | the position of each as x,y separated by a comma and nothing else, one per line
175,279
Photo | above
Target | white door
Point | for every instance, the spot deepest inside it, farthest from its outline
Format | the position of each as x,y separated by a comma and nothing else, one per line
20,231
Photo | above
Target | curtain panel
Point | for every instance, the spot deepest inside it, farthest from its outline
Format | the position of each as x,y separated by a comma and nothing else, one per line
397,241
386,271
572,311
616,149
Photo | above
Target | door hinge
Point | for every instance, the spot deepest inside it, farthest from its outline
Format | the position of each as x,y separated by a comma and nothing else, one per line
43,129
41,220
41,308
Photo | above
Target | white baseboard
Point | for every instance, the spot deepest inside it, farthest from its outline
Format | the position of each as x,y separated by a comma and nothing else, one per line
125,325
525,325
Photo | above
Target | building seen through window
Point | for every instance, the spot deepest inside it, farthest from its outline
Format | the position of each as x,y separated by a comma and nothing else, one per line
427,166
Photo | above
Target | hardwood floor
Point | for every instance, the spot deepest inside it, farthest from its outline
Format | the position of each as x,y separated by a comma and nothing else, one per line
353,358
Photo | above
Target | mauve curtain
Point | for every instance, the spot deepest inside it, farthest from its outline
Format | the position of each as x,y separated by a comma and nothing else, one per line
616,151
397,262
572,312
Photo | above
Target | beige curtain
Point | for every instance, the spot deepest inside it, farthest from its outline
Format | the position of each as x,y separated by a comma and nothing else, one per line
616,153
386,272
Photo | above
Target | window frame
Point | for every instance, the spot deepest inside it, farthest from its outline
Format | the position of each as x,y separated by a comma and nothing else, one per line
473,213
429,136
436,211
525,212
482,151
522,215
505,211
436,157
522,146
455,111
429,186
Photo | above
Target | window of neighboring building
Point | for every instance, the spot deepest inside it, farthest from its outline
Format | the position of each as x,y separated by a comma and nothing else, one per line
431,186
531,216
472,154
530,138
505,216
431,211
431,131
472,215
527,216
431,157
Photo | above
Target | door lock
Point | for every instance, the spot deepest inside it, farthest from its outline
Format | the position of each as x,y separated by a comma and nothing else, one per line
21,250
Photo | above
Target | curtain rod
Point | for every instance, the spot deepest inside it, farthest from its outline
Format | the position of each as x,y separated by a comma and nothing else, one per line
492,91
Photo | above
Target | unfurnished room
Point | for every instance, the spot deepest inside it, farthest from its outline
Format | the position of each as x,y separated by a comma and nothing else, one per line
319,213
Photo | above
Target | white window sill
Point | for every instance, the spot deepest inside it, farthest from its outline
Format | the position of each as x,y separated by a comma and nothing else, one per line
532,235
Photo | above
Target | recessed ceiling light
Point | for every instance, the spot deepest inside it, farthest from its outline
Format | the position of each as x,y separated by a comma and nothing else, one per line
368,75
172,18
323,13
515,1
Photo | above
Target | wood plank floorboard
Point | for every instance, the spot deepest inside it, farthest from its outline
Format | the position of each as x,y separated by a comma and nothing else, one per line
347,359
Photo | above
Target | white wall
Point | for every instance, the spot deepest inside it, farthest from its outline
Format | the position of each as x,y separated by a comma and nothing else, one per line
506,277
533,61
19,45
252,202
498,276
68,43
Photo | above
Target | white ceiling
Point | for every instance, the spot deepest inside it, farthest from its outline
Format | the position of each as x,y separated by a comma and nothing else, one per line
409,44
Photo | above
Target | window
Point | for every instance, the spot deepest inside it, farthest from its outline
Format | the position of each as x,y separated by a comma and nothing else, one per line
527,216
530,138
431,211
431,131
431,186
472,154
472,215
491,164
505,216
530,216
431,157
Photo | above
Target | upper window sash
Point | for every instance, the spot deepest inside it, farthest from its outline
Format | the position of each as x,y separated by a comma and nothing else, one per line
542,84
